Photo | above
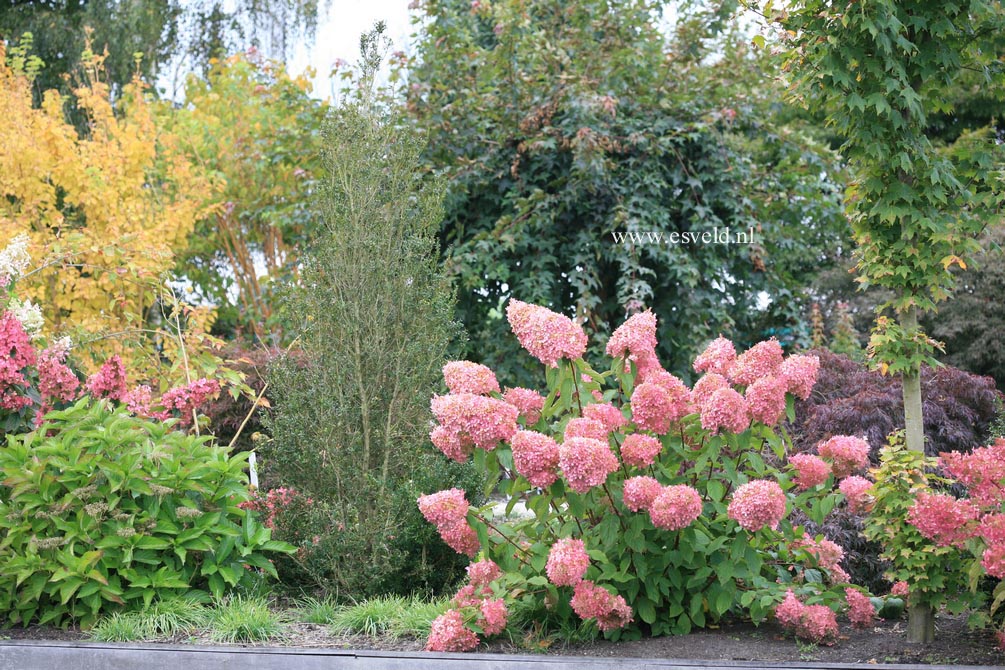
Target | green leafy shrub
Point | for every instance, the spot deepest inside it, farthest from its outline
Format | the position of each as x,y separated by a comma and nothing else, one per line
373,316
102,510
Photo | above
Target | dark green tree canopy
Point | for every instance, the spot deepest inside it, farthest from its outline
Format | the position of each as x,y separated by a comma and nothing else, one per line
563,126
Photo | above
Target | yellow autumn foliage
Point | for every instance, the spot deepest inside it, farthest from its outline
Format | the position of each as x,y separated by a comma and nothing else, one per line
106,212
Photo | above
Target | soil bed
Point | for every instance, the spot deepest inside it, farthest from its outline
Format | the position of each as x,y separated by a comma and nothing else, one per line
885,643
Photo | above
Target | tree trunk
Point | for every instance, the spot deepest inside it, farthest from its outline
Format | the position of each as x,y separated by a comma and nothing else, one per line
920,617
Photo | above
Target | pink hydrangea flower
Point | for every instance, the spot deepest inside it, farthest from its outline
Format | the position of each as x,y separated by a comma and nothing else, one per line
493,616
725,409
567,562
546,335
581,427
468,420
766,399
639,492
607,414
535,456
590,601
816,623
981,471
717,358
529,403
758,504
761,360
861,612
992,529
448,633
847,454
636,336
647,365
827,554
800,374
462,538
656,408
483,573
856,492
56,382
900,589
706,386
109,381
185,399
943,518
586,462
675,507
468,377
640,450
810,470
993,561
444,508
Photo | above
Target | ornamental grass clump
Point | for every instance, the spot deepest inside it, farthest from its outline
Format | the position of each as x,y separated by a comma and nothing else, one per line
655,507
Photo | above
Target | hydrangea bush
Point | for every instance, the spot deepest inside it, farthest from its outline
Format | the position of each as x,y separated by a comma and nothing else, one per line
653,507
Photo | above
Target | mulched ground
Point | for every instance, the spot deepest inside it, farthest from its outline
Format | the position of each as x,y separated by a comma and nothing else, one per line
885,643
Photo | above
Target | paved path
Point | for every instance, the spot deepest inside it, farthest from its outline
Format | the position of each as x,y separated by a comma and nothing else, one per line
32,655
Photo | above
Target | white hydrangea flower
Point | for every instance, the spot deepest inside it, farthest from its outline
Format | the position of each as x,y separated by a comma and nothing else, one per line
14,259
28,314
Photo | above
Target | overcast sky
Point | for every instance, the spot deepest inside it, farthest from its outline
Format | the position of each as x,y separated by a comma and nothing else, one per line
338,36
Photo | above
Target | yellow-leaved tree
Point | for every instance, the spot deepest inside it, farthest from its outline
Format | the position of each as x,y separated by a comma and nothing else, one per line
106,213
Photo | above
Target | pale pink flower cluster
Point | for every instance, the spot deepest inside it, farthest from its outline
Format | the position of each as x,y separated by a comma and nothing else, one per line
657,404
640,450
16,354
675,507
827,555
943,518
590,601
468,377
761,360
468,420
607,414
766,399
856,492
717,358
758,504
640,492
185,399
635,336
484,572
847,454
705,387
567,562
900,589
586,462
109,381
56,381
982,471
528,403
992,531
810,470
493,616
448,633
861,611
546,335
581,427
800,374
725,409
535,456
816,623
448,510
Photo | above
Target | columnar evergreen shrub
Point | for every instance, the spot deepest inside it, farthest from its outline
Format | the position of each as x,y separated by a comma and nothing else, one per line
656,507
373,316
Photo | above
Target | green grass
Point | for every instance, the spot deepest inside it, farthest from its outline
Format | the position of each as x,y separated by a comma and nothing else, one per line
121,627
388,615
245,619
312,610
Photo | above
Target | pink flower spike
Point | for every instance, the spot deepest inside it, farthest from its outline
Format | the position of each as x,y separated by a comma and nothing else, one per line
567,562
468,377
109,381
546,335
758,504
717,358
761,360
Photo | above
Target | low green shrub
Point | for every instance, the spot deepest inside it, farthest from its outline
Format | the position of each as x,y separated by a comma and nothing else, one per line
103,511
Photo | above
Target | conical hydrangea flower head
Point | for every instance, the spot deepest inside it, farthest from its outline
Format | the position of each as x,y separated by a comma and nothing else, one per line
766,399
636,336
567,562
607,414
856,492
582,427
761,360
109,381
725,410
468,420
758,504
656,405
706,386
982,471
590,601
847,454
717,358
946,520
810,470
675,507
468,377
546,335
586,462
535,456
800,374
861,611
